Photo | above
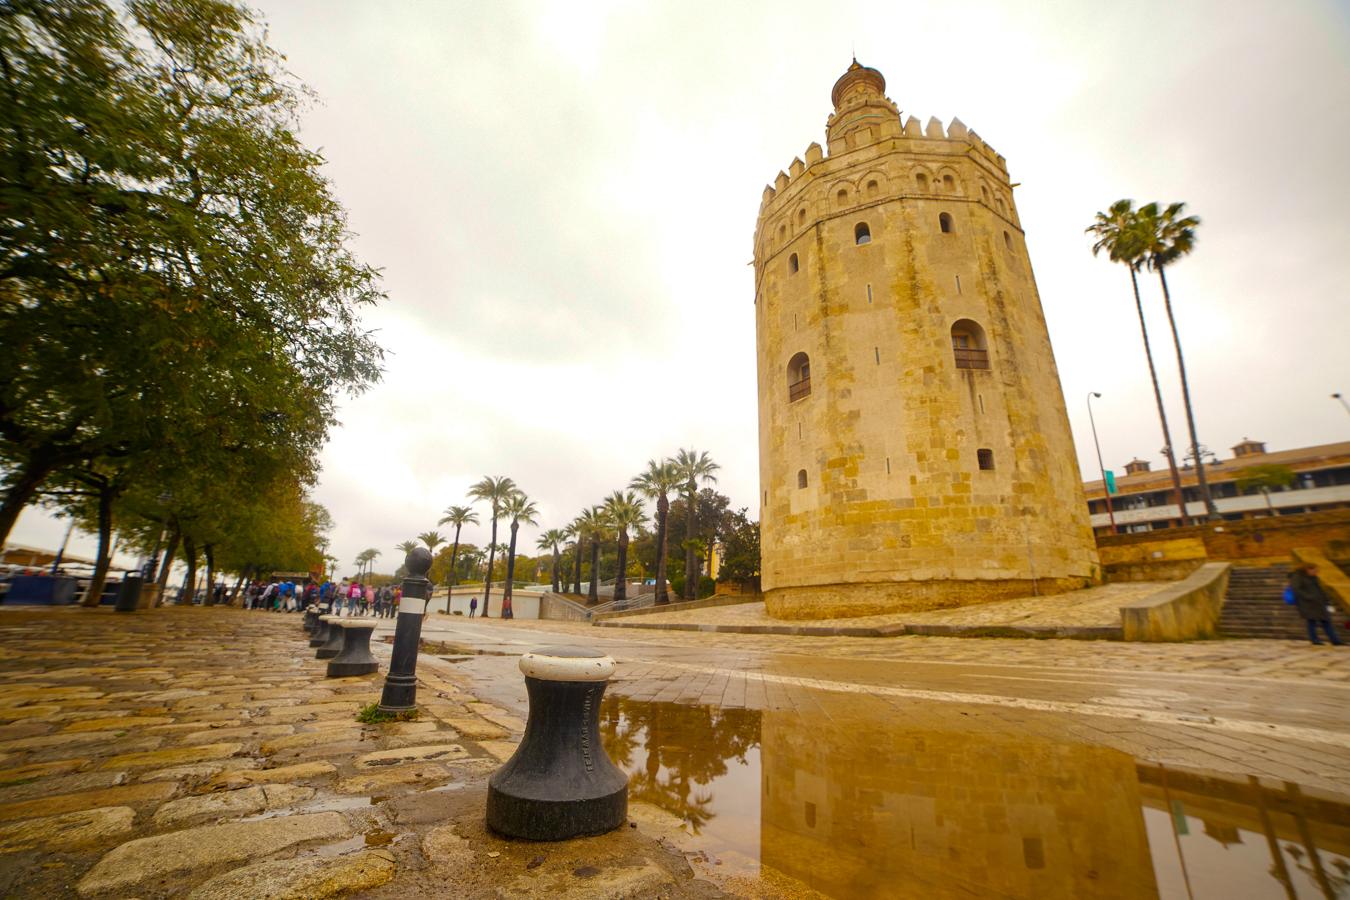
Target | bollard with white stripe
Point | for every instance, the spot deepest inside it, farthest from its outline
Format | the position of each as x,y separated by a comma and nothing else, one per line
560,783
400,687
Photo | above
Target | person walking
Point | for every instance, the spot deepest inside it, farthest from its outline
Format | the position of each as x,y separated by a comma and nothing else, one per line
1312,602
369,601
353,594
473,607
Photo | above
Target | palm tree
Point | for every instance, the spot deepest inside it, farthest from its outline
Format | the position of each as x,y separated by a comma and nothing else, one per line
364,561
494,492
693,466
655,483
575,532
407,547
1166,237
458,516
623,510
591,524
432,539
518,508
1116,231
550,540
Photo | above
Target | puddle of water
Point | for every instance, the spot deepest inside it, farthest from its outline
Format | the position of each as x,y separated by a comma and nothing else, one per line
873,807
372,838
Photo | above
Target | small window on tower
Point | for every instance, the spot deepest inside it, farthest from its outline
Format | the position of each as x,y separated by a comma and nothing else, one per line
792,264
841,198
922,181
801,478
862,234
801,216
1007,240
873,188
949,184
1002,207
945,223
986,458
984,192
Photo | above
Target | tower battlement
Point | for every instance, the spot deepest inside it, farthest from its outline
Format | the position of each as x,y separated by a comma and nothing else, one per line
914,448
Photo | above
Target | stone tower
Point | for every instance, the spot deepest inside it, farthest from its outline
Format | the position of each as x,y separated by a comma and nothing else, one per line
914,450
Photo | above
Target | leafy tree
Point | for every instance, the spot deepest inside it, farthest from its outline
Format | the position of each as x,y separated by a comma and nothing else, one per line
551,540
172,262
740,549
623,510
458,516
1166,236
1265,478
518,508
1117,233
694,467
492,491
657,482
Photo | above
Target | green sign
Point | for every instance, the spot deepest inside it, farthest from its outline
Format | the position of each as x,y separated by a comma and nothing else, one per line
1110,482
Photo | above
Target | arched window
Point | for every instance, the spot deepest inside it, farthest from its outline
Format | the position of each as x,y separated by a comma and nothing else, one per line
801,478
985,456
949,184
801,216
968,345
841,198
792,264
799,377
945,223
1007,240
873,188
1002,207
782,233
922,181
862,234
984,192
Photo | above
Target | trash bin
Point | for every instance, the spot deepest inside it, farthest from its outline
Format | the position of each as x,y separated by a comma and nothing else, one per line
129,597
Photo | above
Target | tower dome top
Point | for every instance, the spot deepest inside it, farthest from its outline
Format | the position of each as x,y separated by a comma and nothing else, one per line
857,74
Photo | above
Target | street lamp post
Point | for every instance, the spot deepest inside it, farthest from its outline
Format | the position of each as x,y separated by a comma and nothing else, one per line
400,687
1106,489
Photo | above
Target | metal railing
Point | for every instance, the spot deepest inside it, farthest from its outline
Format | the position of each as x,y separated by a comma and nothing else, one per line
638,602
800,389
967,358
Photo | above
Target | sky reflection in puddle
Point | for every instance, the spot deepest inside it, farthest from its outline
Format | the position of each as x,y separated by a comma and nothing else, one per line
873,807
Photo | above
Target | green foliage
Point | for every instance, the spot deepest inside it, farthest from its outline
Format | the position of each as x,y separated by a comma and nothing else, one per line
740,548
1265,477
371,714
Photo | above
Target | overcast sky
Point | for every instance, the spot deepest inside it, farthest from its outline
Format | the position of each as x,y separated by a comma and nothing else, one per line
562,197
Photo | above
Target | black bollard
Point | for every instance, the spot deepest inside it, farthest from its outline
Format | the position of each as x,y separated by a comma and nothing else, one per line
320,635
311,619
355,657
333,644
129,594
400,686
560,784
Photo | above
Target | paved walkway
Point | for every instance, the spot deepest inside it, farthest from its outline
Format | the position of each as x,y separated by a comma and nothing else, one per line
1092,612
202,753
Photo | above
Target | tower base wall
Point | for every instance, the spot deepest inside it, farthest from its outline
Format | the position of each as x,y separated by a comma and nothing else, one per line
840,601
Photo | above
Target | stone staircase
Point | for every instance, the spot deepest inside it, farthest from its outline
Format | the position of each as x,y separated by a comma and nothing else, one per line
1254,606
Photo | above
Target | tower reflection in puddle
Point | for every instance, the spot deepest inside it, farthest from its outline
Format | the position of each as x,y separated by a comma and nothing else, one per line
867,806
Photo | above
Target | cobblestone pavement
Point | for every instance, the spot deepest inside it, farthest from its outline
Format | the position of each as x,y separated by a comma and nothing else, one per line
1092,607
202,753
1267,708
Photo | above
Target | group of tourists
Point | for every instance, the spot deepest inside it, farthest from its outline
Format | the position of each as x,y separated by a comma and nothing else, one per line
332,598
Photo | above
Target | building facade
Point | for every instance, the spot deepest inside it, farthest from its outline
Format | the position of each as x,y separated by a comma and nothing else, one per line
1145,500
914,447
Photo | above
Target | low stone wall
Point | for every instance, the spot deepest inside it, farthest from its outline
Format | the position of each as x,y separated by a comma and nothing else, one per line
846,601
1190,609
1161,559
551,606
1250,542
705,603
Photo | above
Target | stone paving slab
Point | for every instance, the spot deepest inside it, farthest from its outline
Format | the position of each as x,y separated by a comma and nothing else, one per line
203,752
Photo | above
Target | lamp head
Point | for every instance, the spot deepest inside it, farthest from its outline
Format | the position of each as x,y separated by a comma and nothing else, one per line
1097,395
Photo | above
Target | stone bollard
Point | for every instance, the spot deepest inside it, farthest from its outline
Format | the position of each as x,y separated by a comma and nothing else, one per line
560,784
320,634
311,619
129,594
400,685
355,657
332,644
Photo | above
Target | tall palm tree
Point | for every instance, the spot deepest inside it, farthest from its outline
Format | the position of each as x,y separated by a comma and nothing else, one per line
575,532
432,539
551,540
458,516
370,554
1166,237
518,508
694,466
407,547
493,491
656,483
1117,232
623,510
591,525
